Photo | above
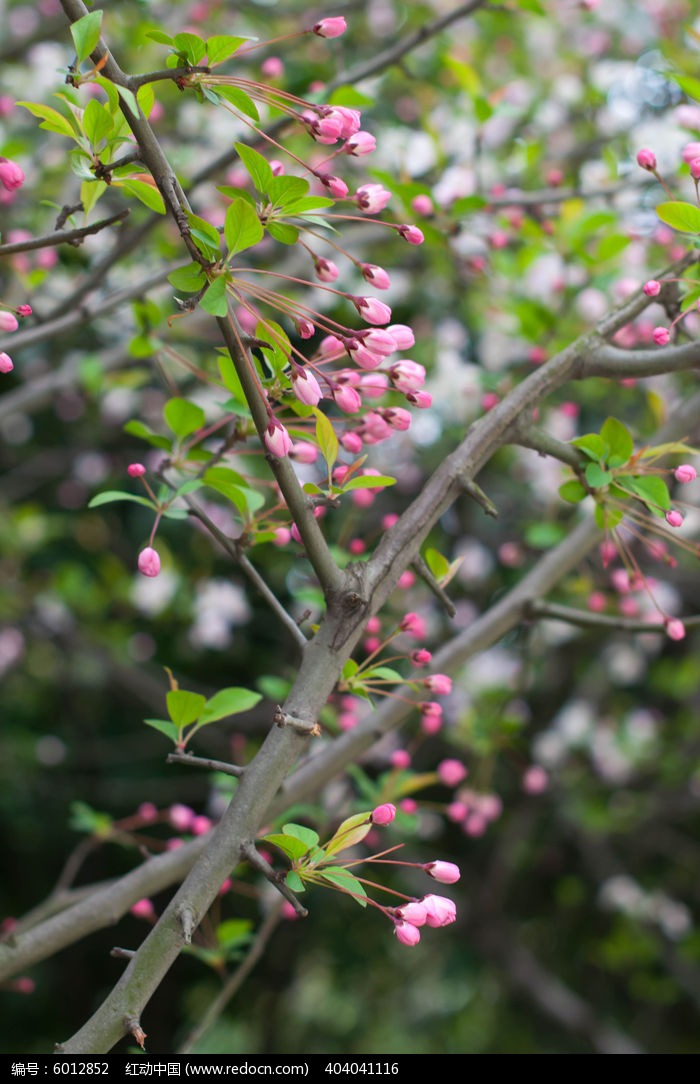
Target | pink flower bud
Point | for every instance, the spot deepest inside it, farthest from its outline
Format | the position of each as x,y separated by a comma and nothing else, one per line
420,399
652,288
304,452
444,872
277,440
200,825
378,277
690,151
661,336
400,759
326,270
143,909
8,321
414,625
440,684
422,205
451,772
306,329
412,234
330,28
148,812
181,817
351,442
695,169
372,198
306,387
439,910
6,363
360,143
348,400
383,814
136,470
402,335
372,310
272,67
407,375
24,310
282,537
685,473
149,562
421,657
535,780
11,176
675,629
413,912
397,418
674,518
646,159
406,933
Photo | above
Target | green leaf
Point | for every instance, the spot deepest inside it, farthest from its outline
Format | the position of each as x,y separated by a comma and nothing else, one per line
111,495
353,830
369,481
138,429
184,707
159,36
386,673
130,100
231,701
242,227
215,301
619,440
222,46
326,438
239,100
145,193
86,34
573,491
165,727
283,232
306,835
191,46
687,83
596,476
183,417
98,122
293,848
284,190
294,881
345,880
680,216
233,932
608,518
308,203
90,192
207,235
350,668
592,445
648,488
257,167
190,278
53,121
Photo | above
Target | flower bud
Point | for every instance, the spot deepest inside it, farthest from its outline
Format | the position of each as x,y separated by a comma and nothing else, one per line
444,872
685,473
149,562
406,933
11,176
383,814
646,159
330,28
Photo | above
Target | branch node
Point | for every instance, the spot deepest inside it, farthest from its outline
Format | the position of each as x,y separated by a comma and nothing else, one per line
122,953
477,494
188,923
133,1026
261,864
426,575
307,727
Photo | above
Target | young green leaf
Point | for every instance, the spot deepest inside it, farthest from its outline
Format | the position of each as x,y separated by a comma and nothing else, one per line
183,417
97,121
145,193
345,880
326,438
242,227
306,835
596,476
185,707
111,495
369,481
190,46
190,278
86,34
293,848
257,167
165,727
214,300
573,491
231,701
222,46
352,831
619,440
239,100
681,216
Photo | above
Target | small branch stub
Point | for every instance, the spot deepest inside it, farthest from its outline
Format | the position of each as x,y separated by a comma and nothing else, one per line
261,864
122,953
188,923
477,494
308,727
134,1028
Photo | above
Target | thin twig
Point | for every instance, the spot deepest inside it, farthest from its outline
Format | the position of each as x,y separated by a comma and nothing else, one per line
204,762
585,619
63,237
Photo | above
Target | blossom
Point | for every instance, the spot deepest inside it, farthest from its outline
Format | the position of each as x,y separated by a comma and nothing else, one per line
24,310
277,440
326,270
646,159
6,363
335,185
422,204
451,772
695,169
690,151
348,400
685,473
372,310
330,28
8,321
136,470
402,335
535,780
674,518
652,288
11,176
143,909
180,817
661,336
149,562
440,911
400,759
420,399
360,143
407,375
445,872
304,452
414,625
383,814
440,684
420,657
406,933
